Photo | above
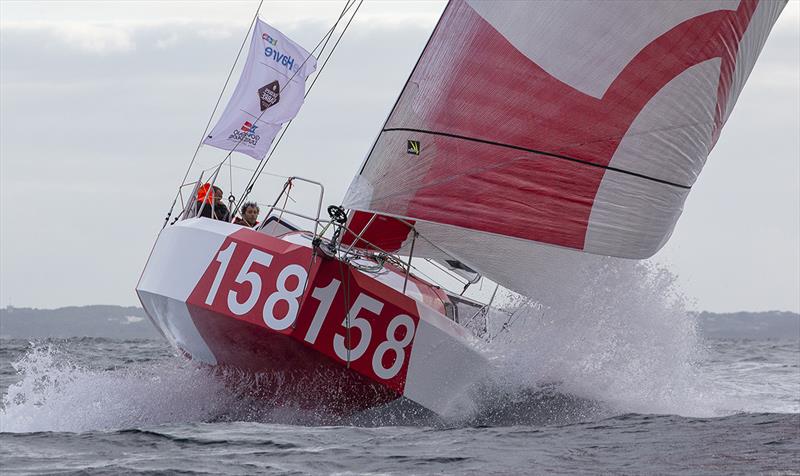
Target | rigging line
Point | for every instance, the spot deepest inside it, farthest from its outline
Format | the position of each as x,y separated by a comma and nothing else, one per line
230,175
513,318
347,5
286,200
224,86
239,167
538,152
419,235
334,48
445,270
419,272
326,38
209,192
289,84
213,167
483,310
264,162
397,262
330,32
397,101
434,245
346,303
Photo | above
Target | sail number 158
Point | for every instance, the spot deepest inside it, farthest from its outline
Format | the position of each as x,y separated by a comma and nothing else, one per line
240,305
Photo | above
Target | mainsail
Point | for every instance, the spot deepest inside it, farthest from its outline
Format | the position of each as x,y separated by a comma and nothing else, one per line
269,93
578,125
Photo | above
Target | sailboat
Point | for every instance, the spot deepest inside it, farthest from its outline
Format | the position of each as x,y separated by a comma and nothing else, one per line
526,133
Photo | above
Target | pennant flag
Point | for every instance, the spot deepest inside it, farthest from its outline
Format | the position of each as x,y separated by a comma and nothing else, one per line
270,92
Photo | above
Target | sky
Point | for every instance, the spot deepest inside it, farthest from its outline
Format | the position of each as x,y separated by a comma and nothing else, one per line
102,105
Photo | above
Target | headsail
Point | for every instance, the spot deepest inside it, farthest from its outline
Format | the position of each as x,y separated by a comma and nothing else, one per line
269,93
581,125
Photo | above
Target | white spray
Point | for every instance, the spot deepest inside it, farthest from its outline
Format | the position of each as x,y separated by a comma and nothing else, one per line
613,331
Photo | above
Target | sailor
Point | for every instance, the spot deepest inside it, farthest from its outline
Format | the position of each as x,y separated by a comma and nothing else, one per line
250,213
209,203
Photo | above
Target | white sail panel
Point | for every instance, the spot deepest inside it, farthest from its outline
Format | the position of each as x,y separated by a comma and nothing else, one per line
583,62
653,133
504,131
580,125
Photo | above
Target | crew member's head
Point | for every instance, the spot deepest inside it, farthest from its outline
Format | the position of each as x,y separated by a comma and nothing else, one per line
204,194
217,195
250,213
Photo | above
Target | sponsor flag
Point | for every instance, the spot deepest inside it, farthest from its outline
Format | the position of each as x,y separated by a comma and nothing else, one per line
270,93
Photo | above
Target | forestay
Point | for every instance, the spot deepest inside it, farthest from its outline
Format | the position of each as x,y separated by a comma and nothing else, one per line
581,125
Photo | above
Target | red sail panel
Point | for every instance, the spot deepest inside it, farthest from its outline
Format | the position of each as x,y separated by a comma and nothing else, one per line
382,232
576,124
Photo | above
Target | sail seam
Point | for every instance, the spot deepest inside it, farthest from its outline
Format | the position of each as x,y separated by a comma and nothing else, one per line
539,152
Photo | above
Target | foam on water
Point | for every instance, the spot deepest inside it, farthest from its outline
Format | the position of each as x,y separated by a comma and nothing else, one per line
614,331
56,395
611,337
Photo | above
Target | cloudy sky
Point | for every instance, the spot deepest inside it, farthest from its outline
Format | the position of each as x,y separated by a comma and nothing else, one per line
102,105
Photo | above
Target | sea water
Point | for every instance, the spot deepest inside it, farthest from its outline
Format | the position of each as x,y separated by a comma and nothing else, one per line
612,379
107,406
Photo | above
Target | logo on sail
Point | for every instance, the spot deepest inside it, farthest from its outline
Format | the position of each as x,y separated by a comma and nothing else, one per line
413,147
249,128
246,134
269,95
278,57
272,41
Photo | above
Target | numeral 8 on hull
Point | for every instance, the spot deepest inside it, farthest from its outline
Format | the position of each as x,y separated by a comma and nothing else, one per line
355,318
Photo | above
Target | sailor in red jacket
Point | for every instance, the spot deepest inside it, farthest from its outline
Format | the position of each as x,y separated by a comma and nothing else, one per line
209,203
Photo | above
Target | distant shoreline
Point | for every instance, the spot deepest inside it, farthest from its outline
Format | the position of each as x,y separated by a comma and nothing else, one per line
130,322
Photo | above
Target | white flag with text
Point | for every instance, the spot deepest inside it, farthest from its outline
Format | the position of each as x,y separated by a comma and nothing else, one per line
270,93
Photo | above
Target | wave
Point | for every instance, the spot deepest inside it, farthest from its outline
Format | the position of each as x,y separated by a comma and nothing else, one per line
621,336
57,395
621,342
